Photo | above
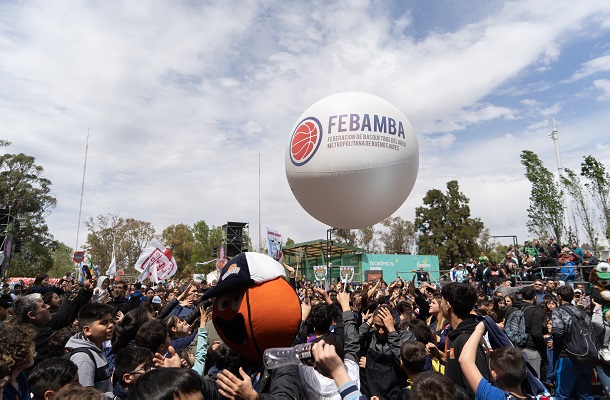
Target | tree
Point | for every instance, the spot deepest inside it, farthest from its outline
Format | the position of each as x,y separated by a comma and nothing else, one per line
61,254
581,200
446,226
129,237
34,258
399,238
180,239
344,236
205,239
26,193
545,212
366,239
599,187
289,242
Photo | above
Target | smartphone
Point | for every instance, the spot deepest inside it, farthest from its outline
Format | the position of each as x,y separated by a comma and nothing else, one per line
86,271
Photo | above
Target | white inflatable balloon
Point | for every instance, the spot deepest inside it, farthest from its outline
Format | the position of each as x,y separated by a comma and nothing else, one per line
352,160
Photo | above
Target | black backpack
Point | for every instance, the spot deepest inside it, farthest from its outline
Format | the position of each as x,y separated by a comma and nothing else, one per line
579,340
101,373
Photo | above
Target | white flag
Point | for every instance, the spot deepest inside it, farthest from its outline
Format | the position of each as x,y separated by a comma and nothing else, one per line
159,261
112,268
145,273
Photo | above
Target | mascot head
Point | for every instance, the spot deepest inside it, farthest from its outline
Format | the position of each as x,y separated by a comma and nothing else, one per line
600,276
255,308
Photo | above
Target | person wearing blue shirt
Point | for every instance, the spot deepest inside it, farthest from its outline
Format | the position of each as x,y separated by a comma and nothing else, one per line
507,368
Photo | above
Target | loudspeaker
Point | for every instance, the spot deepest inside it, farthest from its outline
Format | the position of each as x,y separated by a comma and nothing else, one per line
234,238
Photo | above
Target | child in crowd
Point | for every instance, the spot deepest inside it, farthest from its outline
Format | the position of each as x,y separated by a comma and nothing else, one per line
506,364
168,384
130,364
95,322
18,352
51,376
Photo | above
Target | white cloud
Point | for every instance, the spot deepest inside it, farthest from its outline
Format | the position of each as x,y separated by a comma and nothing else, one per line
182,97
604,86
599,64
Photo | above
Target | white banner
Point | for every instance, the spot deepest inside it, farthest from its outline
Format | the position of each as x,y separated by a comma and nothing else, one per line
274,243
156,262
346,273
319,272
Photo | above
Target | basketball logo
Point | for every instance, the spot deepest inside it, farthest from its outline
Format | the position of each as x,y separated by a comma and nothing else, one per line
305,141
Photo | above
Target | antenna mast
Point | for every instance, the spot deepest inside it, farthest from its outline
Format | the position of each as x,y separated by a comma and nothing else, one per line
555,138
82,190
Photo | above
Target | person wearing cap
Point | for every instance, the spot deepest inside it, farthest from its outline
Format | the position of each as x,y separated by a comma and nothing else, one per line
458,273
156,303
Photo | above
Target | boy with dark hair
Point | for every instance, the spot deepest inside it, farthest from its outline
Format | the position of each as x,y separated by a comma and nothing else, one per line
85,347
413,360
168,384
130,364
507,365
457,303
535,345
50,376
153,335
381,343
571,376
431,385
321,318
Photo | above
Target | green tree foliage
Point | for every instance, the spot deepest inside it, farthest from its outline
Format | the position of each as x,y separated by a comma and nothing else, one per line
129,237
366,239
26,192
545,212
205,239
181,240
35,258
446,226
399,237
599,187
61,254
581,200
345,236
289,242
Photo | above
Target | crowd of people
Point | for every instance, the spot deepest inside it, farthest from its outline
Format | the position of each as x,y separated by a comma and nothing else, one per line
405,339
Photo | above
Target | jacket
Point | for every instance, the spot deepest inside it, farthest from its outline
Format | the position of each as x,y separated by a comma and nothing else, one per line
59,320
383,375
534,319
562,322
87,368
119,304
280,383
456,339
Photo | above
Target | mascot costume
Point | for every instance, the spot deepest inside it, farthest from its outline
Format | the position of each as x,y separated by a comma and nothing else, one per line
256,309
599,278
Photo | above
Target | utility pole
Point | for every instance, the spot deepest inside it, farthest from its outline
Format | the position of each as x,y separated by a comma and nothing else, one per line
555,138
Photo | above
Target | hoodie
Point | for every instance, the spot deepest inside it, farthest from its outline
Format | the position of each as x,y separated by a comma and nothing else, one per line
87,368
456,339
99,292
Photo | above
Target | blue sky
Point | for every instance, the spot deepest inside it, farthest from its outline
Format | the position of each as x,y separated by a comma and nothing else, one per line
181,97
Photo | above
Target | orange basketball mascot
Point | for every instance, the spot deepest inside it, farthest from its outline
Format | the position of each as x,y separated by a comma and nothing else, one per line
256,309
599,278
